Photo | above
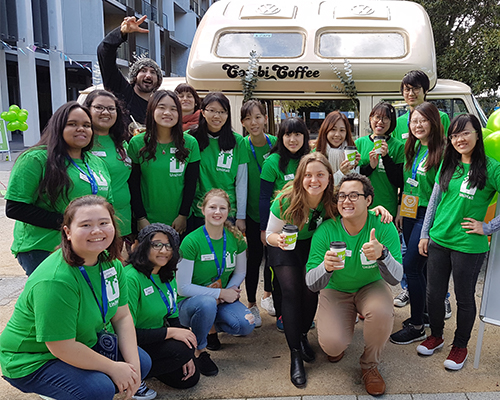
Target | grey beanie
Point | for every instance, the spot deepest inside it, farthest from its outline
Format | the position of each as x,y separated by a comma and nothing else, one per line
162,228
144,62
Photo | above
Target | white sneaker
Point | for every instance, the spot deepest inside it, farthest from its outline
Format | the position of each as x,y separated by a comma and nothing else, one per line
45,397
402,298
268,305
144,393
256,313
447,309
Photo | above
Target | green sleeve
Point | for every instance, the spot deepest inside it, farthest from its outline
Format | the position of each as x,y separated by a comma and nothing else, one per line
241,148
134,290
319,246
445,120
270,168
194,148
189,248
25,177
136,144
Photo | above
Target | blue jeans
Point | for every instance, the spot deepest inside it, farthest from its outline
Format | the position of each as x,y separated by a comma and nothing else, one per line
201,312
465,268
29,260
62,381
414,264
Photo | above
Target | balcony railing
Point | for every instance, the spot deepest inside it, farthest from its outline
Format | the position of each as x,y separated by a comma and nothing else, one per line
147,9
123,51
165,21
141,51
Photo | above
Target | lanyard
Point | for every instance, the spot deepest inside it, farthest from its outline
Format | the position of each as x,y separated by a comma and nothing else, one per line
164,298
220,269
89,175
253,150
104,308
417,165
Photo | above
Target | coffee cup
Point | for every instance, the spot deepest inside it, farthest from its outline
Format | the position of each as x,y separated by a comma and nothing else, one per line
291,234
339,248
350,154
377,144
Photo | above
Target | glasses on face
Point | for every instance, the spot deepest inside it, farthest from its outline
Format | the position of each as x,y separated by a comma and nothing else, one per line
353,196
214,112
415,122
110,109
415,90
158,246
378,118
463,134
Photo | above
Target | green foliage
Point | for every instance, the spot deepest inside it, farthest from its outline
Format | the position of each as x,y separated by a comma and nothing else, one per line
467,37
250,79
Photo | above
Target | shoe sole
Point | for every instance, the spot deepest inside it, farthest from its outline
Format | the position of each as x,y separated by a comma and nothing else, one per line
448,316
209,373
419,339
454,366
428,352
400,303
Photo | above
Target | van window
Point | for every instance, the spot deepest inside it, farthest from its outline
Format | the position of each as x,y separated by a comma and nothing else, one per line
362,45
236,44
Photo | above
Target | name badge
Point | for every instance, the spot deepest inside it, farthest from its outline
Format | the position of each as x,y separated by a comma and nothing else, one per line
99,153
109,272
289,177
348,253
148,291
405,135
207,257
412,182
409,206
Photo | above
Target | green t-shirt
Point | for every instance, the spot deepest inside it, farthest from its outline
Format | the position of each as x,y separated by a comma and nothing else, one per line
401,131
424,178
386,194
218,170
195,248
58,304
119,171
26,175
162,180
461,201
145,301
261,153
358,270
271,171
315,216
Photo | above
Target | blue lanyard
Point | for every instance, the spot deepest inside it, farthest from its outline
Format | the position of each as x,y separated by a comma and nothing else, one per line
164,298
415,164
253,150
408,120
89,175
104,308
220,269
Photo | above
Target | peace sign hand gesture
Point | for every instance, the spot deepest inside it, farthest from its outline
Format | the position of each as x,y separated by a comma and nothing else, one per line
131,24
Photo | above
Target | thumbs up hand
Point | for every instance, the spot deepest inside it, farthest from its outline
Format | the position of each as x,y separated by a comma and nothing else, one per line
373,248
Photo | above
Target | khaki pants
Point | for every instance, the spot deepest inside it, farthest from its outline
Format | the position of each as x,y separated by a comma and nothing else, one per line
337,316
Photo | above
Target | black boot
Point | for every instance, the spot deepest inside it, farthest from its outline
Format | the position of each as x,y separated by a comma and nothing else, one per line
307,352
297,372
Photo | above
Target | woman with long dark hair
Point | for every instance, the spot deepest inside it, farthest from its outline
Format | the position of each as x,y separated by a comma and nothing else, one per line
152,295
165,165
454,236
424,151
46,177
111,139
190,102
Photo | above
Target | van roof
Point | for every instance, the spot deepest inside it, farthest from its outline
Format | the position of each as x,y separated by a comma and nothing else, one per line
299,41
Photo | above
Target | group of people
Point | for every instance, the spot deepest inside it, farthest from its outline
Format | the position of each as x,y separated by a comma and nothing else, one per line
199,207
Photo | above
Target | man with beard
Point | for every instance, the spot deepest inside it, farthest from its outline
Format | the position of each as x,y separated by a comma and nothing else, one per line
144,75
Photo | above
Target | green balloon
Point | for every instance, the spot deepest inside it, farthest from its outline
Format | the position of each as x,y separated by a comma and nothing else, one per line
22,116
486,132
494,121
25,111
14,126
492,145
10,116
23,127
14,108
2,115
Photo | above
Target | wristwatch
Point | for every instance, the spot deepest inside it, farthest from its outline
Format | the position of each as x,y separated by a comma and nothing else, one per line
385,253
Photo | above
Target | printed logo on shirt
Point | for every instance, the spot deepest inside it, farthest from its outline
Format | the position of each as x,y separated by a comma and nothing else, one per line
99,178
230,261
176,167
225,160
99,153
112,286
466,192
381,164
421,166
172,300
365,263
266,155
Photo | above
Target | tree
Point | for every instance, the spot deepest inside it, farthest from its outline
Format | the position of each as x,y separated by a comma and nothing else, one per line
467,37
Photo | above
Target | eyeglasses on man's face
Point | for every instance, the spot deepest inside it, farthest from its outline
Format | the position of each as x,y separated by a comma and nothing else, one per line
353,196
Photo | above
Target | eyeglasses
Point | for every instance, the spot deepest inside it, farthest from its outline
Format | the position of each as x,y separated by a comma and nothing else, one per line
353,196
110,109
464,134
419,122
158,246
415,90
378,118
219,113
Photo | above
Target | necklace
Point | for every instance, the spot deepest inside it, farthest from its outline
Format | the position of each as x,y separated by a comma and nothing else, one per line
162,147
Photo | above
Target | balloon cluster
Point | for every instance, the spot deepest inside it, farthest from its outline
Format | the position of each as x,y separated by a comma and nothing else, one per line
16,118
491,136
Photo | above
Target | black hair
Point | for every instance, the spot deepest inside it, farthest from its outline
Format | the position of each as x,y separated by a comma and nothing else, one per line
386,109
452,158
416,79
353,176
288,126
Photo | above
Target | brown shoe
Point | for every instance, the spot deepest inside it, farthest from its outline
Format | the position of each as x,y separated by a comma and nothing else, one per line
334,359
374,383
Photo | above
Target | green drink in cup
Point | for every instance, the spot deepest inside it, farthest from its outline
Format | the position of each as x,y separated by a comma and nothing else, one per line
291,233
339,248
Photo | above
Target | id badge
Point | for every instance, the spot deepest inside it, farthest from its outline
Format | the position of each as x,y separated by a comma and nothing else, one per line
409,206
217,284
107,345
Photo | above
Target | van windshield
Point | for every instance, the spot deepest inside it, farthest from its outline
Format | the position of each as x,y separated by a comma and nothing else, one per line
274,45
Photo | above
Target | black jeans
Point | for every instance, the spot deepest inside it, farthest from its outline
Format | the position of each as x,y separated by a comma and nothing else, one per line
465,268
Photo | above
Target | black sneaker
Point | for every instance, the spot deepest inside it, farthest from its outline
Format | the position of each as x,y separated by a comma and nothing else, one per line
205,364
213,342
408,334
406,322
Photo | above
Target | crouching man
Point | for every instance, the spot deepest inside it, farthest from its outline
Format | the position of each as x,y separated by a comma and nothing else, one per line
352,277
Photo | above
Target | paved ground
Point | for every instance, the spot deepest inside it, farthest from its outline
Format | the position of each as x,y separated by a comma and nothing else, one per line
257,366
